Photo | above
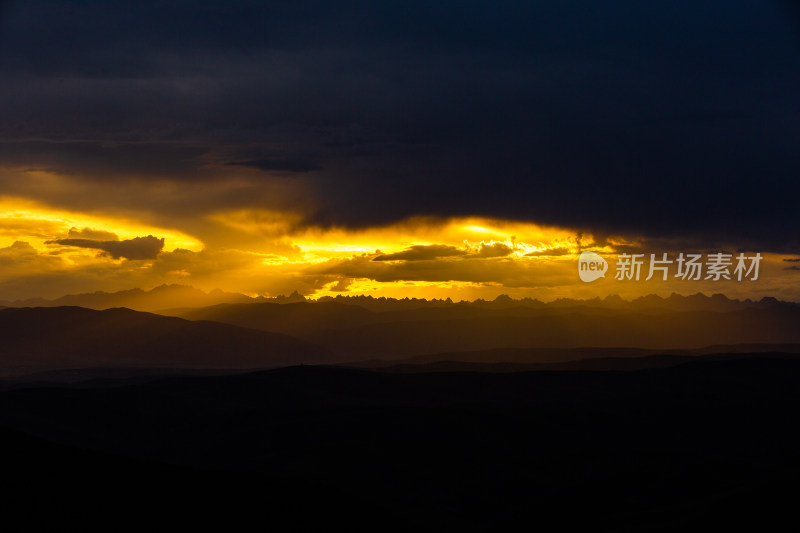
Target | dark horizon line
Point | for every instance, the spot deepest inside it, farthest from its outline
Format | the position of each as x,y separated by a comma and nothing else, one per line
296,297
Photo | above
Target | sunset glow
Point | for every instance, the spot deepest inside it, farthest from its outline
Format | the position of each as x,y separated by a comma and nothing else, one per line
278,253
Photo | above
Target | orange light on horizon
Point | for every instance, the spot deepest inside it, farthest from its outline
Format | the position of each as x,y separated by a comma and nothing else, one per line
35,223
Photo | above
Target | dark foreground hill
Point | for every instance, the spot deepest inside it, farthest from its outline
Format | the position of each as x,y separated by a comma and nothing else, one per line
356,333
158,298
50,486
702,446
42,339
526,359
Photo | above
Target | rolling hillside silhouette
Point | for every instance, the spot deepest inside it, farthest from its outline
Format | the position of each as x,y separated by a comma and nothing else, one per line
41,339
268,335
473,417
155,299
525,360
357,333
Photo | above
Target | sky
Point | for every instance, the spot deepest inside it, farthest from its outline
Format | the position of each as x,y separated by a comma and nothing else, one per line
426,149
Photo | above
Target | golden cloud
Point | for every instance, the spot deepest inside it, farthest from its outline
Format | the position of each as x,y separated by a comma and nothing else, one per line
55,251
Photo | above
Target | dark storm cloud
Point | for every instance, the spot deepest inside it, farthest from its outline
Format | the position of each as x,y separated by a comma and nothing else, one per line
276,164
16,252
486,270
93,234
104,160
284,159
137,248
497,249
658,118
550,252
422,253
